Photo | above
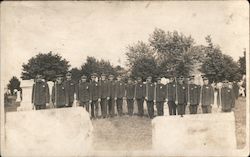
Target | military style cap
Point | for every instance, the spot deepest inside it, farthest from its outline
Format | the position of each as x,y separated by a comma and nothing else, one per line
103,74
225,81
83,77
111,75
119,76
180,77
139,78
130,78
68,74
149,77
59,76
94,74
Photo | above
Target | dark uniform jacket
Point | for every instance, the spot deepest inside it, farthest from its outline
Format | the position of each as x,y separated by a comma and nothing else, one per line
160,94
40,93
94,91
171,91
70,88
83,92
149,92
181,96
130,91
193,94
207,95
120,89
112,88
139,90
226,98
104,89
236,89
59,95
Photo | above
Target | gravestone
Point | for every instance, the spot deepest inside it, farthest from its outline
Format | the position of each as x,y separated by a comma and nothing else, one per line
54,132
26,104
196,135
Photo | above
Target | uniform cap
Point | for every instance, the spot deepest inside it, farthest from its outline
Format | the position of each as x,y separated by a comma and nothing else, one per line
103,74
139,78
158,78
149,77
94,74
111,75
59,76
83,77
39,76
191,77
225,81
130,78
68,74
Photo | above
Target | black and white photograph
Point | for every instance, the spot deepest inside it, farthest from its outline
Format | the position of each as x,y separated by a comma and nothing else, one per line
124,78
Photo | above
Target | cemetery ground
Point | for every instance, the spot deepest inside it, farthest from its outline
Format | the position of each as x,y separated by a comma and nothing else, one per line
135,133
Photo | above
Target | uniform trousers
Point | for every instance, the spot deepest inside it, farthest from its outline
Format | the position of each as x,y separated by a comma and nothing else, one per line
94,109
150,106
181,109
172,107
140,107
104,107
193,108
206,109
159,107
111,107
119,102
130,105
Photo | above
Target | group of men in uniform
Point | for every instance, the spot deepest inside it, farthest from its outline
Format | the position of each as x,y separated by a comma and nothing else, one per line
111,93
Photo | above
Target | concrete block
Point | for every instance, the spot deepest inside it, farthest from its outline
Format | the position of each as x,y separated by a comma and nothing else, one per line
54,132
196,135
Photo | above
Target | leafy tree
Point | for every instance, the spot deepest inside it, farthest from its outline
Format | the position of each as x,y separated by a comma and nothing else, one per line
48,64
218,66
14,83
242,64
144,67
172,52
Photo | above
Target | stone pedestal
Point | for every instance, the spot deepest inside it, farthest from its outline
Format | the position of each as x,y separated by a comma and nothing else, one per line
26,104
54,132
194,135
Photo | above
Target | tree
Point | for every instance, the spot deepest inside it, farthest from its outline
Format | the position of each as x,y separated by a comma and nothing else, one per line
172,52
14,83
218,66
144,67
48,64
242,64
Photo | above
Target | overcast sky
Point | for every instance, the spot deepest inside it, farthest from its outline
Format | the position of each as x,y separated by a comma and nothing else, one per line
76,29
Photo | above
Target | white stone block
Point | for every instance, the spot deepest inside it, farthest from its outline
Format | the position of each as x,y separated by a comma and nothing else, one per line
54,132
195,135
26,104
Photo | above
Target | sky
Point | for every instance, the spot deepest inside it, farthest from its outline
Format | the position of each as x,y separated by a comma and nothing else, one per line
76,29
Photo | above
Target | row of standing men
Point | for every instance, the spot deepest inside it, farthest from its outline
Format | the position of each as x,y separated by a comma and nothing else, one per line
110,93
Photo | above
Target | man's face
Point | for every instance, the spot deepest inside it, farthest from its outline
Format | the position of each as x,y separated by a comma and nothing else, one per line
83,79
159,81
206,82
103,77
139,80
59,80
171,80
180,81
93,78
111,78
149,80
119,78
68,77
129,81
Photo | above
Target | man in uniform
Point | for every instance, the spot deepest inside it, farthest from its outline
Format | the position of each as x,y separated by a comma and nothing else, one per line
70,88
236,89
130,93
111,101
59,93
181,96
83,93
149,97
207,96
139,95
40,93
170,96
119,95
104,94
226,97
159,97
94,96
193,96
